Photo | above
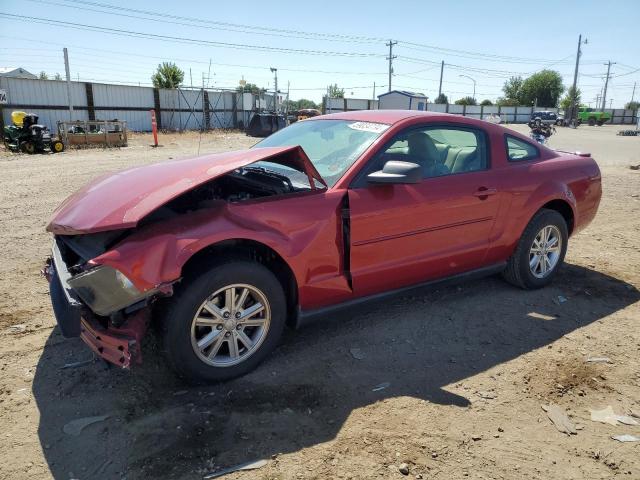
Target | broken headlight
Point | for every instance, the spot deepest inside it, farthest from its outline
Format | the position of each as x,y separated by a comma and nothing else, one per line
105,290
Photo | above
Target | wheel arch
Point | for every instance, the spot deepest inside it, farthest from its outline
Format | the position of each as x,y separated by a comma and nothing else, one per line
247,249
564,208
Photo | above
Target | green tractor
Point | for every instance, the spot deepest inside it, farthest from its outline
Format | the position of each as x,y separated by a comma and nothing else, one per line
26,135
592,117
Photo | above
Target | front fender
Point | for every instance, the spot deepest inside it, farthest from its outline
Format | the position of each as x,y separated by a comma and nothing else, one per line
156,255
302,230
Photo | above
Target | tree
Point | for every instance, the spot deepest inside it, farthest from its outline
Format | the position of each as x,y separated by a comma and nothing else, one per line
466,101
570,98
43,75
335,92
305,103
511,89
250,88
57,77
543,88
293,105
486,103
632,105
507,102
168,75
442,99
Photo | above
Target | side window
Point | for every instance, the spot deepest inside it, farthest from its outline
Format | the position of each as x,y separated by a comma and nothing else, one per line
439,150
519,150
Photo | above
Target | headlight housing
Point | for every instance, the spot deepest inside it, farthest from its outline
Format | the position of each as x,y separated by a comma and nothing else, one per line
105,290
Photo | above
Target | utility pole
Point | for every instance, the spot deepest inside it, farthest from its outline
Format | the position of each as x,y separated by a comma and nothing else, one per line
633,94
286,105
68,74
441,71
606,84
374,93
327,100
390,58
574,107
275,97
610,103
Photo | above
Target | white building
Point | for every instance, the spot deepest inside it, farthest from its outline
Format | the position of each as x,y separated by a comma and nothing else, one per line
402,100
16,72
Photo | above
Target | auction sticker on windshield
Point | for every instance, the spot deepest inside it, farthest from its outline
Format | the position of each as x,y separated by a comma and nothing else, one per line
369,127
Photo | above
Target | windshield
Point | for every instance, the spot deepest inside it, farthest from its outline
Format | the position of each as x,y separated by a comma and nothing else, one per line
331,145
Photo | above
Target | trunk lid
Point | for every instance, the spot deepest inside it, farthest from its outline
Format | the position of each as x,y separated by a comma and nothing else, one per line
120,200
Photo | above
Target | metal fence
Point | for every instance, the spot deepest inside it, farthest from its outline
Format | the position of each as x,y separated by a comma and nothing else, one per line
176,109
520,114
194,109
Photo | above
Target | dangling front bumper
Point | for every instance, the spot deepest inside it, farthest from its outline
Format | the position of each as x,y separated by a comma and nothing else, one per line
117,345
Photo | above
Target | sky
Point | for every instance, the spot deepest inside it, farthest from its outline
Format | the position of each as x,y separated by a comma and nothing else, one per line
313,45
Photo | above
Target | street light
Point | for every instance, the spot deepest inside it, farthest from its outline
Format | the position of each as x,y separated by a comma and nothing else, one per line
474,84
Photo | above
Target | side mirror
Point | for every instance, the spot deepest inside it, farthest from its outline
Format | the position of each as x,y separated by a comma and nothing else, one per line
395,171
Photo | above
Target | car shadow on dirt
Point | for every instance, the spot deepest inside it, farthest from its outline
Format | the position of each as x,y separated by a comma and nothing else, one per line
415,345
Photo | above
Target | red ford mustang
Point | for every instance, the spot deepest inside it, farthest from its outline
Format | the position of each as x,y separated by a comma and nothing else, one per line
223,250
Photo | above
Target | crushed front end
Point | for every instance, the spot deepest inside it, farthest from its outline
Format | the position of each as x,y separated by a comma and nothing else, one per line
96,302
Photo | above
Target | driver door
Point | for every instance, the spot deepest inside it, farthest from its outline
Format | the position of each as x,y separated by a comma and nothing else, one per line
404,234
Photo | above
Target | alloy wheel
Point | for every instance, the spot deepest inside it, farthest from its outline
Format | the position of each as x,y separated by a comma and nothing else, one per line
230,325
545,251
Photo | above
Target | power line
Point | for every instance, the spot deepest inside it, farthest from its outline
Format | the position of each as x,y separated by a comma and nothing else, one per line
289,33
241,28
153,36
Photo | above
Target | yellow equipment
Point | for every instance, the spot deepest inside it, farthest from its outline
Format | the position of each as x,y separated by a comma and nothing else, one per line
18,118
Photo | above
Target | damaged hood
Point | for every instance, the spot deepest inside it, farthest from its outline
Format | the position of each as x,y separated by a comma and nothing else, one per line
121,200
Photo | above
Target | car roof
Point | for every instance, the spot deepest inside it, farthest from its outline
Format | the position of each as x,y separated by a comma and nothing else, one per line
381,116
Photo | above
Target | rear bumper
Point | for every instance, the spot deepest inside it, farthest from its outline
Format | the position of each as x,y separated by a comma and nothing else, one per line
117,345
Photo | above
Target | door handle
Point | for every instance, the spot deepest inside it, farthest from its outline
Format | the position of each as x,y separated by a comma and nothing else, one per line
485,192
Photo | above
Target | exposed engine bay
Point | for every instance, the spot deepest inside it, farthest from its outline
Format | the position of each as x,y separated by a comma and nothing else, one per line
243,184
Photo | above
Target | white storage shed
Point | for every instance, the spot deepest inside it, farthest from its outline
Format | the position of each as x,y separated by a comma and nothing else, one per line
402,100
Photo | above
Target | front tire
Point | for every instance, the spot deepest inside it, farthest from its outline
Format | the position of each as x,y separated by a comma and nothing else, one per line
57,146
540,251
224,321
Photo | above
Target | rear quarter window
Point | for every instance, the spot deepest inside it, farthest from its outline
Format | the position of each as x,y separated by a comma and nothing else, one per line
519,150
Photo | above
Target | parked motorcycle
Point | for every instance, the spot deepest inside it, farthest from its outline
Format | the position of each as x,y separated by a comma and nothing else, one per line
540,132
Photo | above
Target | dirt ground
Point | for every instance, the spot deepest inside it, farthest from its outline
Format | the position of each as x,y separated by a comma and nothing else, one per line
449,382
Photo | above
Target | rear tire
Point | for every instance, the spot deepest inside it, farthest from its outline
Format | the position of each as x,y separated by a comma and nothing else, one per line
599,123
525,268
202,324
57,146
28,147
